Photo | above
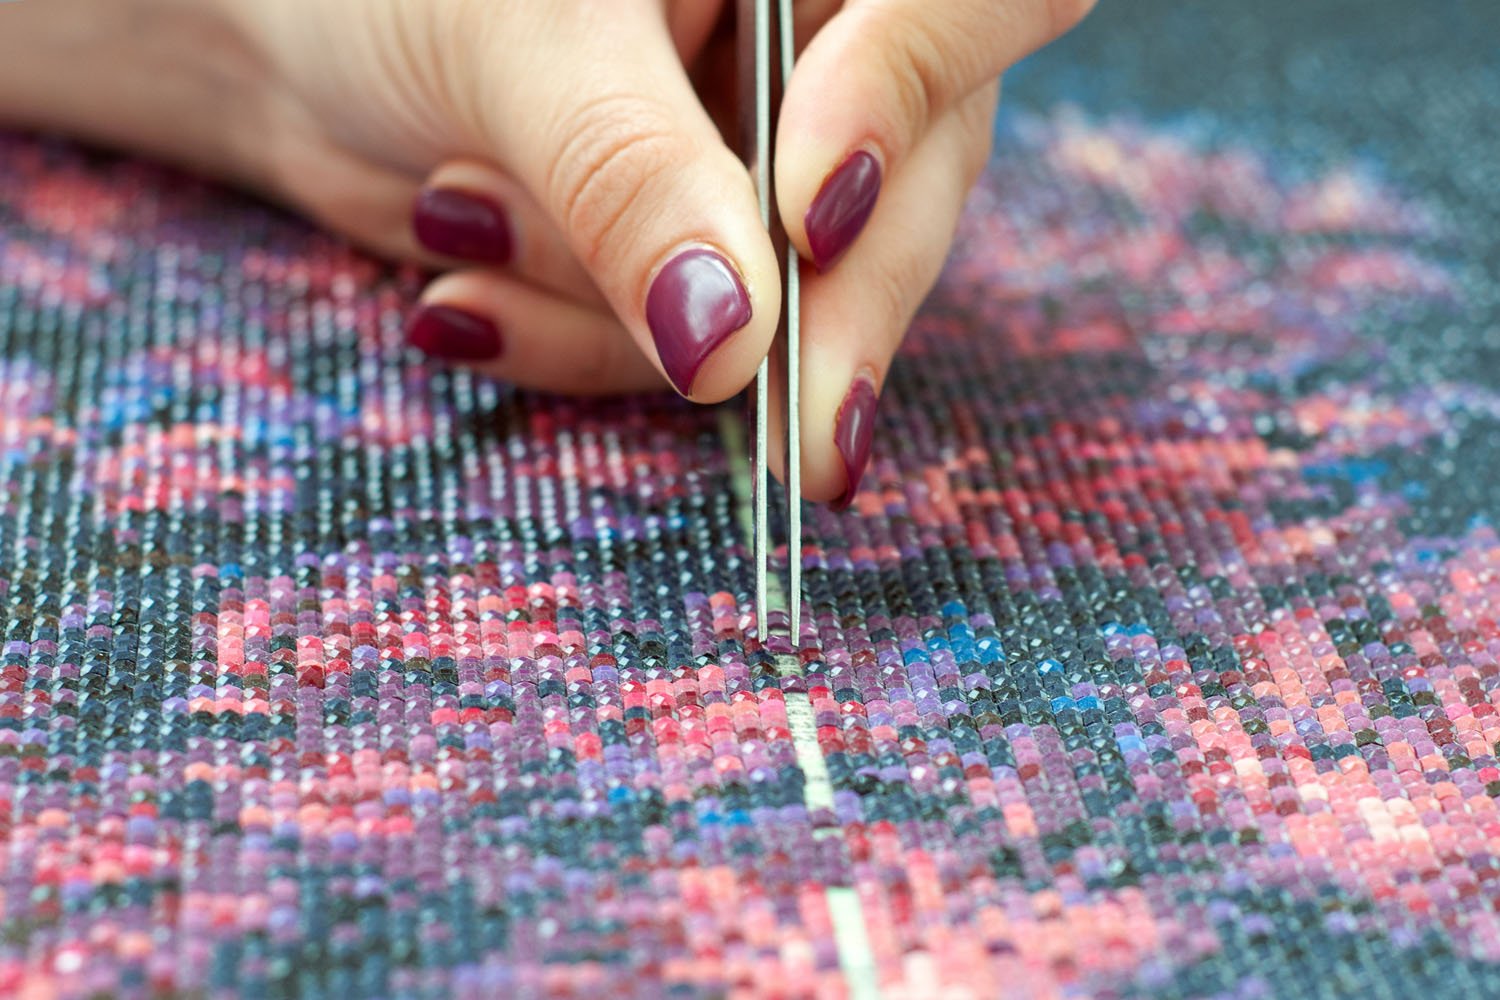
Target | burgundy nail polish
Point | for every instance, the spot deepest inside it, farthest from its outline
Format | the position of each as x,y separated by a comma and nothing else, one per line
693,306
853,429
842,208
453,334
462,224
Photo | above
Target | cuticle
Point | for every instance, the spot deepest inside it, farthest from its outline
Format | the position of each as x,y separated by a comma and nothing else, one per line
683,248
865,373
868,146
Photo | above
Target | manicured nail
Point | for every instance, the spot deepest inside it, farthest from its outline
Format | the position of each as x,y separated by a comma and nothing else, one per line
842,208
693,306
453,334
462,224
853,429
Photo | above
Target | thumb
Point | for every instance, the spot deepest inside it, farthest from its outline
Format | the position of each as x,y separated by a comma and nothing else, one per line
599,120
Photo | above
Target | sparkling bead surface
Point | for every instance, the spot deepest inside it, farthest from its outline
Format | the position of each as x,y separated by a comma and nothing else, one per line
1157,654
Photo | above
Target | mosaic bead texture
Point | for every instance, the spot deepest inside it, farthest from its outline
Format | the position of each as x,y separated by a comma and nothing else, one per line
1157,655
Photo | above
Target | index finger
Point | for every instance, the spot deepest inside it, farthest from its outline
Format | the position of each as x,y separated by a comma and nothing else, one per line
868,87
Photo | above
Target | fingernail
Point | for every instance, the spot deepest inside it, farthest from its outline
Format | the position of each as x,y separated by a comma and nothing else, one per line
842,208
693,306
461,224
453,334
853,429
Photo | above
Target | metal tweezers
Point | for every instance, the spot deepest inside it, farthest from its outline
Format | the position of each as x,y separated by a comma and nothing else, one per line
766,53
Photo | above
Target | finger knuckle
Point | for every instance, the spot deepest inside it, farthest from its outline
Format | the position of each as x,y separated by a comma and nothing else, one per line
612,154
900,285
458,33
913,65
399,42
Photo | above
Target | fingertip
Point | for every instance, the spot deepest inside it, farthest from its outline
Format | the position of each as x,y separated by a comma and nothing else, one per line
503,327
469,213
838,431
844,203
854,433
709,332
857,316
463,224
452,333
836,140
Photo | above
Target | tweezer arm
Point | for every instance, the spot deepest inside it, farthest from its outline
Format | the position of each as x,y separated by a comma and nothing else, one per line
765,31
792,296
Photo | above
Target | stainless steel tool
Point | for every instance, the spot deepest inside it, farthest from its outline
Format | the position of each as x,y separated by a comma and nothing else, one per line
767,52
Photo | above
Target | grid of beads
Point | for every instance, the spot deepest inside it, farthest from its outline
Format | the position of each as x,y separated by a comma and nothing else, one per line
329,673
1159,656
1156,657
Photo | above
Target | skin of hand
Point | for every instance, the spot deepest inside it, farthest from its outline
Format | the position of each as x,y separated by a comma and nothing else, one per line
563,165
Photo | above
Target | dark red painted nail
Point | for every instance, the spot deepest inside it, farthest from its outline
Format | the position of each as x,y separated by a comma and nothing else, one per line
693,306
842,208
453,334
462,224
853,429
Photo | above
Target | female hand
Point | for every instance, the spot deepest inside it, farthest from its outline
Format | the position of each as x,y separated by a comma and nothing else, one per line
564,165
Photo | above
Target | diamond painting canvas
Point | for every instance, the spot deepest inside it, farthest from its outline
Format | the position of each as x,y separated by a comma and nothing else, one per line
1157,655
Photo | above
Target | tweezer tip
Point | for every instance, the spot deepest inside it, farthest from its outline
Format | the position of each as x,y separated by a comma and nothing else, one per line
765,12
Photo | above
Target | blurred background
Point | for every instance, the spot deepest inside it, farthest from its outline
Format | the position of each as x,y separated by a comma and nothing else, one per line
1408,92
